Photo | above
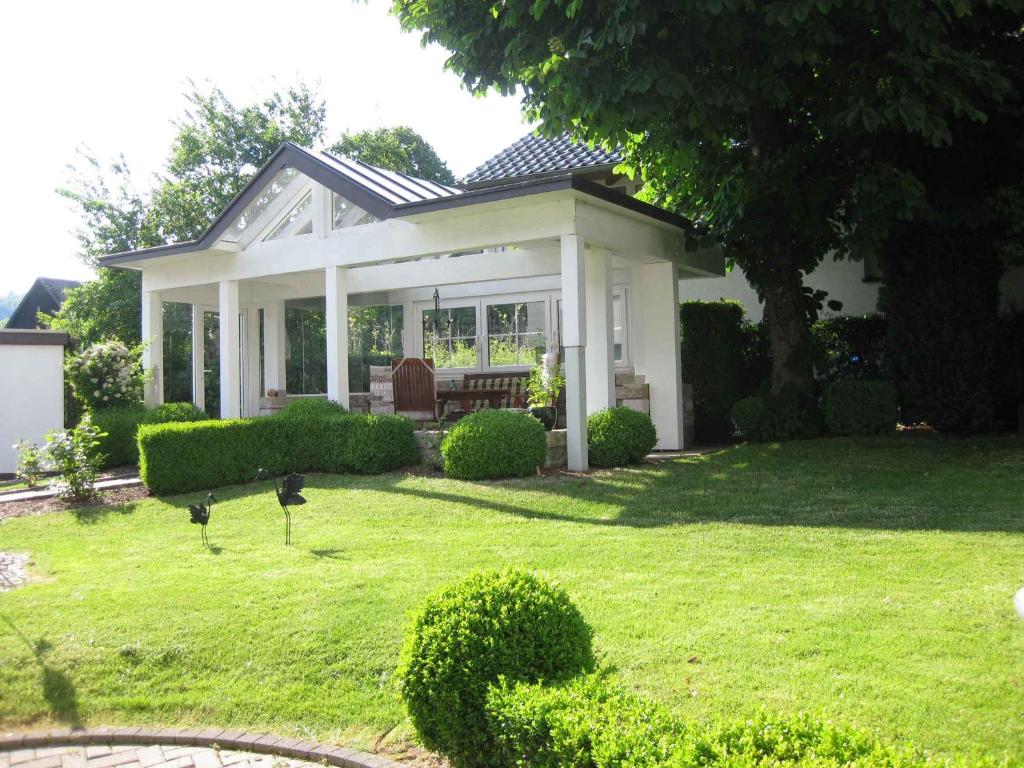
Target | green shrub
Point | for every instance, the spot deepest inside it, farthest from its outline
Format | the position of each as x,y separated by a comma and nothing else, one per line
494,443
592,723
855,407
619,436
712,356
168,412
849,347
106,375
787,415
376,444
504,625
119,445
751,420
175,458
76,459
312,409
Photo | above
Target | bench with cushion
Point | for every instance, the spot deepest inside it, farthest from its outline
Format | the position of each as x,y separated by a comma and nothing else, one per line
515,383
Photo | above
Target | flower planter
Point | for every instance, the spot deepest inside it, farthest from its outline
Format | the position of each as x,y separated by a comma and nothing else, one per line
546,415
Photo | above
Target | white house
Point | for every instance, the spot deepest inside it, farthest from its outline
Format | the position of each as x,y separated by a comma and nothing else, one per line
575,262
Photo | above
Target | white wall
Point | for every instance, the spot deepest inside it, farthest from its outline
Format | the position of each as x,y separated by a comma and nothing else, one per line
31,396
844,281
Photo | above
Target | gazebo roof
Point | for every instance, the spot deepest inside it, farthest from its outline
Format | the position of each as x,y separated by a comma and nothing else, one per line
533,155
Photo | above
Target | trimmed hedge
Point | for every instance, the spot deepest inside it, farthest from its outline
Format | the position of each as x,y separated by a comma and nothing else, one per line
494,443
119,446
713,361
619,436
501,625
855,407
787,415
175,458
312,409
593,723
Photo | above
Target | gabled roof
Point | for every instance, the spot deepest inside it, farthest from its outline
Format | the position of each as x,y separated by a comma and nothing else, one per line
45,295
386,194
533,155
375,190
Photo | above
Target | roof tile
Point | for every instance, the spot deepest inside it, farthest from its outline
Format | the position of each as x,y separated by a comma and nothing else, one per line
534,154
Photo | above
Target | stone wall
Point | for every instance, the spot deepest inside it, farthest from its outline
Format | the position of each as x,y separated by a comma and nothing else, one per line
429,442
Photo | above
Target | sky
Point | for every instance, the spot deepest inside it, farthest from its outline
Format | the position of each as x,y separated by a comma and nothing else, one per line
110,76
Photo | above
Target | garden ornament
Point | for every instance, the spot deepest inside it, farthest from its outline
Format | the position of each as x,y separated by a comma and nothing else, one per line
287,495
201,515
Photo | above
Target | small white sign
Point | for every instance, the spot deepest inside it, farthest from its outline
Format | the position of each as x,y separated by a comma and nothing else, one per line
382,389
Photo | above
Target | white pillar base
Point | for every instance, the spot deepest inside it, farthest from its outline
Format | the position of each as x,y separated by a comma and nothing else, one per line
337,335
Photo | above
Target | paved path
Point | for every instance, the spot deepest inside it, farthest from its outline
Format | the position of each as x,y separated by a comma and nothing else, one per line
173,748
143,757
130,481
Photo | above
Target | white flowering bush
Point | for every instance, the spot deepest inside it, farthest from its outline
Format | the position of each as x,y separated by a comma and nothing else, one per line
107,374
76,458
31,462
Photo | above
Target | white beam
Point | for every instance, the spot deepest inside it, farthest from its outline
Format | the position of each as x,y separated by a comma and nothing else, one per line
230,351
657,348
337,335
198,357
574,340
274,345
600,331
153,351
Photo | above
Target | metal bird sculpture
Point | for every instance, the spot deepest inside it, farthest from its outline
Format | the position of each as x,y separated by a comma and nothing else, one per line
200,515
287,496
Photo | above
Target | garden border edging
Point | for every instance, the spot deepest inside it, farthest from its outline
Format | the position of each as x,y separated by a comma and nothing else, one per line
241,741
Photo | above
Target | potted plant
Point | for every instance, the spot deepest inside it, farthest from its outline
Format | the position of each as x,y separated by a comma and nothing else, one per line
543,390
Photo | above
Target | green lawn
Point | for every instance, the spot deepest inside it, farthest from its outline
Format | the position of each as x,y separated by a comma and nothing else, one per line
870,581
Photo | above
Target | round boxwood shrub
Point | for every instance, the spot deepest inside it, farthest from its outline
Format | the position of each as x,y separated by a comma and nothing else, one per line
312,409
494,443
167,412
619,436
786,415
854,407
500,624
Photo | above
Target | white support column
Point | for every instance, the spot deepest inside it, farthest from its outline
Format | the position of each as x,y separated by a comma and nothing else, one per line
658,357
251,356
153,351
274,345
600,331
574,340
337,334
198,357
230,367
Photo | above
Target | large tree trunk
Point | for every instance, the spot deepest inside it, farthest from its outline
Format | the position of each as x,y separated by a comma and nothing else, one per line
789,337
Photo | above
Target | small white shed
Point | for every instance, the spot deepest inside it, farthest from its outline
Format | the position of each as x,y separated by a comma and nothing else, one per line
31,389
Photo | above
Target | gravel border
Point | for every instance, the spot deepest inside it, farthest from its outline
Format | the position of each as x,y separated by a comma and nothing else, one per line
238,741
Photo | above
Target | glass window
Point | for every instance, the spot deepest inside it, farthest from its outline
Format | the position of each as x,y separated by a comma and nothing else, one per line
348,214
516,333
374,337
618,330
283,181
449,337
288,227
306,360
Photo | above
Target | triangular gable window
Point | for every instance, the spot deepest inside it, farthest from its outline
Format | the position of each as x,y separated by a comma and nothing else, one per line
348,214
299,220
265,205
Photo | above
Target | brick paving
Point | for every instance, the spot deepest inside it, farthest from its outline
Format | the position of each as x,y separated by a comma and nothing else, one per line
173,748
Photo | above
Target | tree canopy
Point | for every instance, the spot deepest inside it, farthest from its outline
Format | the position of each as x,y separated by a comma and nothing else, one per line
397,149
217,149
759,121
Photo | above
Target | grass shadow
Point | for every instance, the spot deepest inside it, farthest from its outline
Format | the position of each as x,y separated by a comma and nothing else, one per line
330,554
59,691
91,514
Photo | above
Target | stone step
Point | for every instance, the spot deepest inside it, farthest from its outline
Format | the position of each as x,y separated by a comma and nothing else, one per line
635,392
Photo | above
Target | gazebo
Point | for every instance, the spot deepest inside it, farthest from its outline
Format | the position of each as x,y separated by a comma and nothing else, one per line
584,268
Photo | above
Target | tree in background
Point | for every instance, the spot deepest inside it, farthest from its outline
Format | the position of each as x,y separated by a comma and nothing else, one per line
759,121
217,149
397,149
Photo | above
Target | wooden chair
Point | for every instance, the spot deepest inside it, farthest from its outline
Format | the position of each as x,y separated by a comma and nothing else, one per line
415,388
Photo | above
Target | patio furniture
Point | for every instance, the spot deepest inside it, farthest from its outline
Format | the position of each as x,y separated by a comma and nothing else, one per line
467,397
414,388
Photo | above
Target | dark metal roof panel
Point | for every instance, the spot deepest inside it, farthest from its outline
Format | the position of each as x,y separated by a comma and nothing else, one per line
534,154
